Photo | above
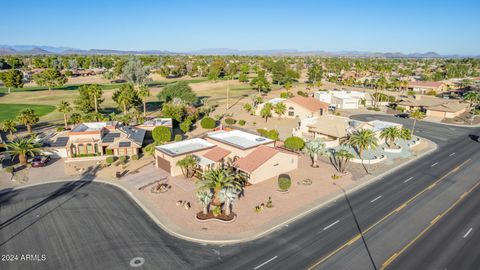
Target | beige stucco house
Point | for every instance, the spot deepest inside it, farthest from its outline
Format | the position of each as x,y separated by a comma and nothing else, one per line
298,107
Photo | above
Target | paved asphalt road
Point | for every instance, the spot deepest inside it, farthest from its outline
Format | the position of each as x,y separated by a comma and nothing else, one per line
452,243
93,226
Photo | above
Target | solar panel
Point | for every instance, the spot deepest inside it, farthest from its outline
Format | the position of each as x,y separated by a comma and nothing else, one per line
60,142
124,144
110,137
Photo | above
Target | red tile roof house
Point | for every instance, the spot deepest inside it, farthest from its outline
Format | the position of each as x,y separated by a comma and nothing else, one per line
253,155
298,107
423,87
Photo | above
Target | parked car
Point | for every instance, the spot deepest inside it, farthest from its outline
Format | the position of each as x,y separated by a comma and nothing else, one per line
40,161
403,115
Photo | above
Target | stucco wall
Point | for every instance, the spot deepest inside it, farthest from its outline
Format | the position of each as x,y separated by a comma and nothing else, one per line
278,164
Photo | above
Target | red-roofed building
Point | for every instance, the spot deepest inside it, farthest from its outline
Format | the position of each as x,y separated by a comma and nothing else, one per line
423,87
298,107
217,154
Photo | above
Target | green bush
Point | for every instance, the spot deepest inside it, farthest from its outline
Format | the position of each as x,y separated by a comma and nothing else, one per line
135,157
110,160
431,93
123,159
284,182
283,95
9,169
376,109
185,125
217,211
294,143
109,152
400,109
242,122
60,129
178,137
162,134
150,149
208,123
230,121
271,134
303,94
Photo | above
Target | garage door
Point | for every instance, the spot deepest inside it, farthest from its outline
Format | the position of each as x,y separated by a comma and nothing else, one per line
163,164
56,153
350,105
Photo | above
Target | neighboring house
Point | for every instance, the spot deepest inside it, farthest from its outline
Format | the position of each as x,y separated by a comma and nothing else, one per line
97,139
155,122
435,107
332,129
423,87
236,147
298,107
342,99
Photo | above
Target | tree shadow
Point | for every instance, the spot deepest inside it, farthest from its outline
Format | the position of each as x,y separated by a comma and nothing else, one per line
474,137
68,188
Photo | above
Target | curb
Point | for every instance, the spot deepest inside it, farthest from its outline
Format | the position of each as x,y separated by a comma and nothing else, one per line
256,236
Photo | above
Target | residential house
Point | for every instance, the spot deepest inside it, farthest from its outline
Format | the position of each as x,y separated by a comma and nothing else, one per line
342,99
298,107
433,106
255,156
150,124
97,139
423,87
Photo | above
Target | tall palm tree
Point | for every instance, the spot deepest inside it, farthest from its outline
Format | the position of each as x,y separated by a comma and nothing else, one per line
96,93
28,118
205,198
217,179
343,157
266,111
390,134
361,140
9,126
64,107
228,196
405,134
24,147
280,108
416,115
144,93
313,149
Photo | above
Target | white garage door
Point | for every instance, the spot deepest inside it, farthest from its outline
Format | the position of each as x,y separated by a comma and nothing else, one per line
350,105
56,153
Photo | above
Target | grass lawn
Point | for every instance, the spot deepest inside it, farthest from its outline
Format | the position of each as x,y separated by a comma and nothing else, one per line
10,111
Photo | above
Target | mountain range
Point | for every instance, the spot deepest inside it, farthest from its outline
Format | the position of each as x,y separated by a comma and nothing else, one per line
45,50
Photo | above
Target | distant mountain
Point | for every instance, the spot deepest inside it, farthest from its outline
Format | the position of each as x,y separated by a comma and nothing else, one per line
39,50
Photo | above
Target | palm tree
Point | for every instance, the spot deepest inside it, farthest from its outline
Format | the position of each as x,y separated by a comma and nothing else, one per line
205,198
28,118
266,111
472,97
405,134
362,140
313,149
390,134
217,179
144,93
416,115
280,108
343,156
188,164
96,92
64,107
9,126
23,147
228,196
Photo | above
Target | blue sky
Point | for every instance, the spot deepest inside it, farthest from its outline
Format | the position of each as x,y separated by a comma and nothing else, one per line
386,26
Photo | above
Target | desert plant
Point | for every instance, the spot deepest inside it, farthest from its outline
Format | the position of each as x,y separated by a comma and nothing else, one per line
185,125
109,151
242,122
294,143
188,164
362,140
205,198
269,203
230,121
217,179
110,160
284,182
313,149
134,157
208,123
161,134
24,147
178,137
217,210
228,196
343,157
390,134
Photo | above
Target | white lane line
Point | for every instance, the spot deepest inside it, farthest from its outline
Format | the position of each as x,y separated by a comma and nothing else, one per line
468,232
258,266
331,225
434,164
451,154
376,199
410,178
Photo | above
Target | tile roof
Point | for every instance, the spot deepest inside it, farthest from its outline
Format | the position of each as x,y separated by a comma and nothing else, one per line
256,158
425,84
449,107
309,103
216,154
331,125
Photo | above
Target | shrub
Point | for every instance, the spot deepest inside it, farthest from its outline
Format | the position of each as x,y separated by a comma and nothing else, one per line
431,93
217,211
135,157
294,143
376,109
9,169
400,109
284,182
369,108
122,160
230,121
283,95
208,123
178,137
271,134
242,122
161,134
150,149
185,125
60,129
109,152
110,160
303,94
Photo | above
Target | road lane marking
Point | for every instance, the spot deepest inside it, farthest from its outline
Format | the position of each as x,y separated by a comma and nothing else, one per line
376,199
410,178
434,164
331,225
435,220
451,154
468,232
258,266
356,237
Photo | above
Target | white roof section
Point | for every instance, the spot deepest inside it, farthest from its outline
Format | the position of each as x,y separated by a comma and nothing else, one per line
274,101
158,122
238,138
91,126
183,147
381,125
